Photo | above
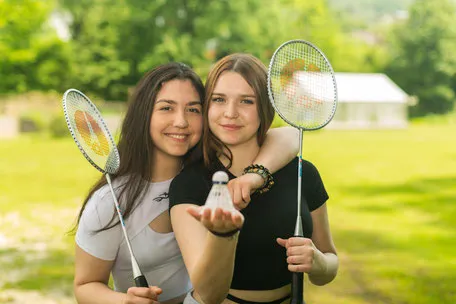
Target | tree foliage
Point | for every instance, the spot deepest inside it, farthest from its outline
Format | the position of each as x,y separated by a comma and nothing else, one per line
112,43
32,56
115,41
424,61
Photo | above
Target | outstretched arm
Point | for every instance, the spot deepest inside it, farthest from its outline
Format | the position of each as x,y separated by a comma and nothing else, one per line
209,258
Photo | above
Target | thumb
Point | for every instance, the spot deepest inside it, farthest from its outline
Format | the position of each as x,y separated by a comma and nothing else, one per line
282,242
195,212
156,290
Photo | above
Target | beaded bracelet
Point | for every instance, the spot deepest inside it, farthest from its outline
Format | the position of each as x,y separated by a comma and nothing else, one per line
264,173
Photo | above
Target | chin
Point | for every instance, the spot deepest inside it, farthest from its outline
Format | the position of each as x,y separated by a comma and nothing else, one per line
231,142
178,153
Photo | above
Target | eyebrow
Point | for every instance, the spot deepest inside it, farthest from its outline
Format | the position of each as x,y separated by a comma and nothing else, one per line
170,101
242,95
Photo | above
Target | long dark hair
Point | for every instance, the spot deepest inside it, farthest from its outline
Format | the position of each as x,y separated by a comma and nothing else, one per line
254,72
135,144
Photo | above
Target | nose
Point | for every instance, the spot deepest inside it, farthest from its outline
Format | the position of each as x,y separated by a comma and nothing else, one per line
180,120
231,110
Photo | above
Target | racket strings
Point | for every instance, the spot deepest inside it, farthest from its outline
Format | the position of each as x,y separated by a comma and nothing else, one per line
90,132
303,86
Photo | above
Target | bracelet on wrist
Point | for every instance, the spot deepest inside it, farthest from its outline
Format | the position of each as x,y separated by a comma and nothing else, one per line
264,173
225,234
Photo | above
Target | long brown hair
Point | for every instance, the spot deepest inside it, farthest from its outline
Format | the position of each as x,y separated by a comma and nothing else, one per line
254,72
135,144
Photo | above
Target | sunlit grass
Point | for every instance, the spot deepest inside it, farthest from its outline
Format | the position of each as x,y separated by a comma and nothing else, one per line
392,212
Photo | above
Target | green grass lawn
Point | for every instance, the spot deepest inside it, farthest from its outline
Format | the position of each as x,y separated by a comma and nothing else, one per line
392,212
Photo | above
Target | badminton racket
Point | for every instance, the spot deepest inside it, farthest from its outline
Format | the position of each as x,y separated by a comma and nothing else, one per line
94,140
302,89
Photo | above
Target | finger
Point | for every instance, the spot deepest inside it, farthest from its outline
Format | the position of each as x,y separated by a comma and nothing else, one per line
217,215
142,292
241,205
237,218
231,187
299,241
216,220
156,289
132,299
232,220
300,268
300,260
237,196
282,242
206,218
246,194
195,212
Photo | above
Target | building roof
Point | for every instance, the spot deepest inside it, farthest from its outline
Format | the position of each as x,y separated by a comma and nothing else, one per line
368,87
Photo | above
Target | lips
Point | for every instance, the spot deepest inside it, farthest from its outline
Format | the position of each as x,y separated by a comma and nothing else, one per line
178,136
230,127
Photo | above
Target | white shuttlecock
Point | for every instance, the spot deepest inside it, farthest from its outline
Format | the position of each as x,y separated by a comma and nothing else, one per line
219,196
220,177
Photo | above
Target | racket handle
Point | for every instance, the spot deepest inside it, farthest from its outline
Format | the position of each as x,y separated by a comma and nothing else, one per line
297,288
141,281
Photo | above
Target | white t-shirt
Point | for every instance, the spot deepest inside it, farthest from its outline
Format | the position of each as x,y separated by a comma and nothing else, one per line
158,254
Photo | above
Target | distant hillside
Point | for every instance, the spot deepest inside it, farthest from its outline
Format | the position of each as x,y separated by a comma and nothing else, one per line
369,11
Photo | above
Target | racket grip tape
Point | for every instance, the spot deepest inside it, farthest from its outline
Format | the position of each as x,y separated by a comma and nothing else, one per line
297,288
141,281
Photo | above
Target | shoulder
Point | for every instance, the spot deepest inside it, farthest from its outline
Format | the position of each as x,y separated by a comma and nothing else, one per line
100,207
98,210
308,167
190,186
193,173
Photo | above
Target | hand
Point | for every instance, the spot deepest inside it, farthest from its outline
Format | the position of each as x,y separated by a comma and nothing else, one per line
241,187
142,295
218,220
302,255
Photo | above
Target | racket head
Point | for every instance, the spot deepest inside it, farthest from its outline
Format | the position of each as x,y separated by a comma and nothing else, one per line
90,132
302,85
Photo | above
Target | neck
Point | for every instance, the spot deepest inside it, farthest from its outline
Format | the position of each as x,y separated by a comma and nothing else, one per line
165,168
243,156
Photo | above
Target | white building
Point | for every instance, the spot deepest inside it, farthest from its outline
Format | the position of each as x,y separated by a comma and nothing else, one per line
369,101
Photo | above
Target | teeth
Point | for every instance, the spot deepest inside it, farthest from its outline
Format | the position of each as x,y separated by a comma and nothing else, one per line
177,136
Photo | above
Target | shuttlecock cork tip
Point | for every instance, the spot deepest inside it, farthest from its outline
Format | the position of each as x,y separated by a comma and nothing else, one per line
220,177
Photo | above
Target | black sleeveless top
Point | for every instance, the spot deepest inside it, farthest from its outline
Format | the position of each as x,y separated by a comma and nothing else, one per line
260,262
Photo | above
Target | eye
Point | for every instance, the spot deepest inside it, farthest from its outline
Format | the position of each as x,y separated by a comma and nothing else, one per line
167,108
217,99
247,101
194,110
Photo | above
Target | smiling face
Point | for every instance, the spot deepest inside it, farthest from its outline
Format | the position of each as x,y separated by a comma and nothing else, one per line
233,112
176,122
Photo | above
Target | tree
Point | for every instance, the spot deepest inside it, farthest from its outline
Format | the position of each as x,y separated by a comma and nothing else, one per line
424,58
32,56
96,63
114,42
